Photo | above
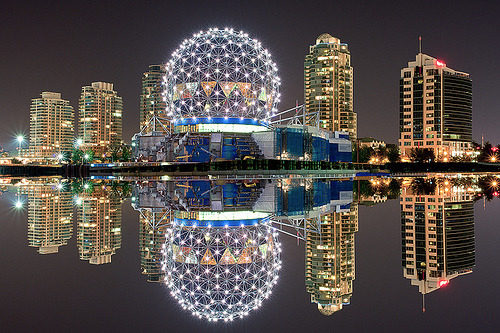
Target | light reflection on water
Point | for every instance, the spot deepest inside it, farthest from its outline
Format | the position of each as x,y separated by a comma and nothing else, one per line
217,245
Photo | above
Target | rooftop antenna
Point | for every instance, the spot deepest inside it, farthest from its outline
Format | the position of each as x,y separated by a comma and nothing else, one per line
420,53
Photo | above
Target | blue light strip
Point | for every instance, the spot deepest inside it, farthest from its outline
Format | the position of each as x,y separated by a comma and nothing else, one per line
218,120
217,223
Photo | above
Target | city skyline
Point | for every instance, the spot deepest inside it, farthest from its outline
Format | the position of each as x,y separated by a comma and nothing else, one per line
375,76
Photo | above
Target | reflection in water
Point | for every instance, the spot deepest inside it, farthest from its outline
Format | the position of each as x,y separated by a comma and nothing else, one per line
99,225
154,218
216,243
50,217
330,260
221,257
437,227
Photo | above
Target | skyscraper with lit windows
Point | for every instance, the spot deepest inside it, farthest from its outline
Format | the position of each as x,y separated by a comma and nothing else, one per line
51,126
100,119
99,226
435,108
328,85
152,102
437,232
50,217
330,260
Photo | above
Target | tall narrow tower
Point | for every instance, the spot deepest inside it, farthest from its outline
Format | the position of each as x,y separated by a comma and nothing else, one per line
152,103
328,85
99,226
51,126
50,218
330,262
100,122
435,109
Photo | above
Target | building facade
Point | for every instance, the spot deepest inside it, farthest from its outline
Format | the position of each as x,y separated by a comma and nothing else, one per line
437,235
435,108
330,261
52,130
328,85
50,218
100,121
99,226
153,224
152,102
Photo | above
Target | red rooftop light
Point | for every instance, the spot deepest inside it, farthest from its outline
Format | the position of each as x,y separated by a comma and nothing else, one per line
439,63
443,283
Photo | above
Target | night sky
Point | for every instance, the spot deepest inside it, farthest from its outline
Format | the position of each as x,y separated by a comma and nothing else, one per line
60,46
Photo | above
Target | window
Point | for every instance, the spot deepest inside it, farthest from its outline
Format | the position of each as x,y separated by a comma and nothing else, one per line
407,74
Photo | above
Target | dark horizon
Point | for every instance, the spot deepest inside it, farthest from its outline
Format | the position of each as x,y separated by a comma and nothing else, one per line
61,46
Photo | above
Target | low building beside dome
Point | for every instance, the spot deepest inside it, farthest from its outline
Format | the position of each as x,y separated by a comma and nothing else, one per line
223,139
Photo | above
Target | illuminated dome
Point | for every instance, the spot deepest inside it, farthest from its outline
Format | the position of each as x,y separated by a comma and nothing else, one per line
221,74
221,273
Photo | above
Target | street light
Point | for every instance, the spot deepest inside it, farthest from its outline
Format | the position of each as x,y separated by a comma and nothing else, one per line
79,142
20,140
85,157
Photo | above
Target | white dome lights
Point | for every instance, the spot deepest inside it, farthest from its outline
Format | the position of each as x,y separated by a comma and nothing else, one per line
221,73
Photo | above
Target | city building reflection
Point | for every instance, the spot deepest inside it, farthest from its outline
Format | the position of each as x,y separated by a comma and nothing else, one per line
437,228
50,217
149,198
220,240
99,224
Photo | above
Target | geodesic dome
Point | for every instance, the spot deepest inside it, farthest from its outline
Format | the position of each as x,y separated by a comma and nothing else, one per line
221,74
221,273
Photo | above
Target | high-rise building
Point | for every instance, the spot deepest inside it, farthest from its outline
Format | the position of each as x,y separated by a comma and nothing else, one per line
100,119
51,126
435,108
437,235
153,225
50,218
328,85
330,262
152,102
99,226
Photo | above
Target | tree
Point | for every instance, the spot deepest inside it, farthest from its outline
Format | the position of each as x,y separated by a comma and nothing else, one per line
76,155
126,153
423,186
394,189
422,155
393,153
